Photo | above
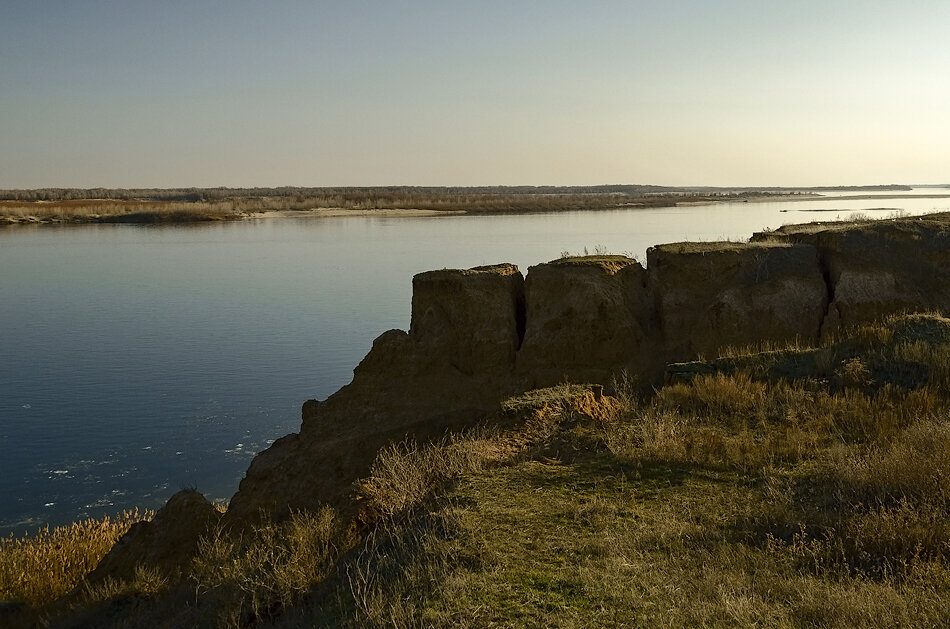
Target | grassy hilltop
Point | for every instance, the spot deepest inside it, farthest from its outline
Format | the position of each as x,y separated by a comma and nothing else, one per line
795,487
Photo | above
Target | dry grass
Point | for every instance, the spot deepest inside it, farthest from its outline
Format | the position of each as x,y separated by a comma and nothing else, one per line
404,474
598,258
599,543
716,246
40,568
914,466
726,501
246,579
671,542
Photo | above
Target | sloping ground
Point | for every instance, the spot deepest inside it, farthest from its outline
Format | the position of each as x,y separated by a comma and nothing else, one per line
725,501
904,351
480,335
601,543
735,497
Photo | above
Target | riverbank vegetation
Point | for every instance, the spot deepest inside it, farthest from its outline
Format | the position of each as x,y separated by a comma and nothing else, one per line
780,487
207,204
45,566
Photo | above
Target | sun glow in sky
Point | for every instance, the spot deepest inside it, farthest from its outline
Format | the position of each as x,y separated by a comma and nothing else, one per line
373,92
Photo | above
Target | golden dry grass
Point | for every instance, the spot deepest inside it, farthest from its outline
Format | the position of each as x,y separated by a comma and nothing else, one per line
42,567
404,474
246,578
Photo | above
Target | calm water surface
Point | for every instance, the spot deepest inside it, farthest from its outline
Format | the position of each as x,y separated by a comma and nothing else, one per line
135,361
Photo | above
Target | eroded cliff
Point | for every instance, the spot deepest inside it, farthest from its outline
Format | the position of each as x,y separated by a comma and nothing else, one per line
876,268
480,335
477,336
712,295
586,318
451,368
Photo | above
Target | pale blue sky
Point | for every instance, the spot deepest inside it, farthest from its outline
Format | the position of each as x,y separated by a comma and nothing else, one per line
675,92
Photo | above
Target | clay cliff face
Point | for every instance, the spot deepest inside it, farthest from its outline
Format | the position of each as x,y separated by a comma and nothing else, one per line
480,335
712,295
877,268
451,368
586,318
472,319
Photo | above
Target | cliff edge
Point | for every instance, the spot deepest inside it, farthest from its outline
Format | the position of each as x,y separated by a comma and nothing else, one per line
478,336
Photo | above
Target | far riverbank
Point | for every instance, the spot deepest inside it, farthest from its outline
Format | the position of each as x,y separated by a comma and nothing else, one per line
194,205
85,211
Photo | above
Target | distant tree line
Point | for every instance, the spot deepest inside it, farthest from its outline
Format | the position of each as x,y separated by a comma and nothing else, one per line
352,193
215,194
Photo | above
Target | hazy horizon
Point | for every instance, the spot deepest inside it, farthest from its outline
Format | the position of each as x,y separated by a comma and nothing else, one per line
727,93
696,188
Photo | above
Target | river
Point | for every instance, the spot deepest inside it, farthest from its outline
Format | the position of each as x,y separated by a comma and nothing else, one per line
138,360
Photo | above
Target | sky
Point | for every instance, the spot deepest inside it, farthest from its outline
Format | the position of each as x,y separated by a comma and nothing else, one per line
204,93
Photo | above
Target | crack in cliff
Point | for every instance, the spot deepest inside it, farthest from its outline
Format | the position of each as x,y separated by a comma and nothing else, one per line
521,316
825,267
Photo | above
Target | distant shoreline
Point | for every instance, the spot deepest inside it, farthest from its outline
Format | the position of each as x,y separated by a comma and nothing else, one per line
137,211
864,197
101,211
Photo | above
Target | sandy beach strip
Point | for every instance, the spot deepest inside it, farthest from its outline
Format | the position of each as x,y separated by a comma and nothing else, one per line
331,212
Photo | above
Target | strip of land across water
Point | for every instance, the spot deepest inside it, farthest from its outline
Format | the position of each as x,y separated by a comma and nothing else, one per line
184,205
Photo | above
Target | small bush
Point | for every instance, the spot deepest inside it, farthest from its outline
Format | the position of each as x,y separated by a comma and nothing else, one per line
914,466
403,474
724,398
251,577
